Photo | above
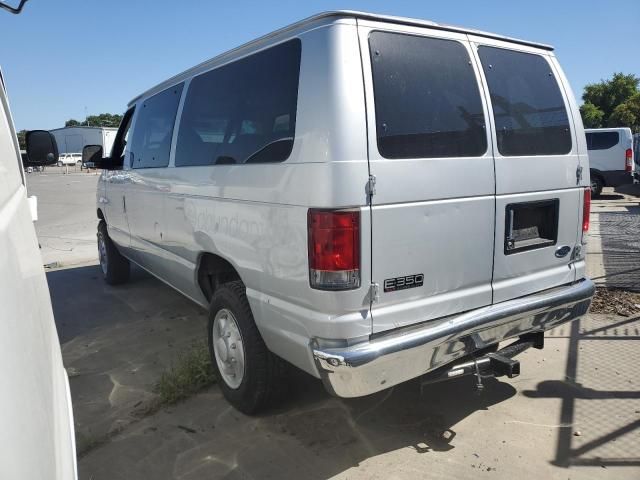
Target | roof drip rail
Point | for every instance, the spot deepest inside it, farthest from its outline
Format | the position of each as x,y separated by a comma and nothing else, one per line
14,10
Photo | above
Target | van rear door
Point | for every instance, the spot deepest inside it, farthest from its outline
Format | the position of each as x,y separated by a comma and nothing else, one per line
432,212
537,165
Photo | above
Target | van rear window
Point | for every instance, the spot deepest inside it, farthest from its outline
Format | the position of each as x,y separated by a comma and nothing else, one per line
427,99
602,140
243,112
528,108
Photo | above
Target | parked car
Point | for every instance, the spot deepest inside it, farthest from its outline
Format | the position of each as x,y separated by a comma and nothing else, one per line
610,157
37,438
368,232
69,159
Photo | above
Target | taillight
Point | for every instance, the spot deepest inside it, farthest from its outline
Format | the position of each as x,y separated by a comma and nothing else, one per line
334,249
628,160
586,209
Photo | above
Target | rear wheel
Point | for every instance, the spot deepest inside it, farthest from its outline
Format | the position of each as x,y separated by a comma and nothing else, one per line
596,185
59,164
115,268
250,376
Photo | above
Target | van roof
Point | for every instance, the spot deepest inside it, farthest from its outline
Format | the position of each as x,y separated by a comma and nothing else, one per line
626,130
336,14
84,127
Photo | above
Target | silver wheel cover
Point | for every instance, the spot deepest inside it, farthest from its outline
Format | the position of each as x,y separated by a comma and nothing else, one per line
228,348
102,253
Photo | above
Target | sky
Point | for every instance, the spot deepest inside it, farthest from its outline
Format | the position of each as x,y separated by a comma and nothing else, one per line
64,59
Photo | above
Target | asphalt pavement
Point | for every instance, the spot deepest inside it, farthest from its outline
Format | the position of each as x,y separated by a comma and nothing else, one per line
67,220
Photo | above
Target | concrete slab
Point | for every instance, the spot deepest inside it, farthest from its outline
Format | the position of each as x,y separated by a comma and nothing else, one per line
116,342
523,428
66,225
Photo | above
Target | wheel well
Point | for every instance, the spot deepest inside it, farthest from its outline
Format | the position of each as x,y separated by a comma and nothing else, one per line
213,271
100,215
596,173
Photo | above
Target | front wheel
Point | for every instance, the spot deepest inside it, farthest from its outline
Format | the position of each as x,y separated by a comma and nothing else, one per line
115,268
250,376
59,164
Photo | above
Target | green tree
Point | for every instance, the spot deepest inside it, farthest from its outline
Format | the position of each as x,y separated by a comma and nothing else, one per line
612,103
627,114
101,120
592,116
22,139
104,120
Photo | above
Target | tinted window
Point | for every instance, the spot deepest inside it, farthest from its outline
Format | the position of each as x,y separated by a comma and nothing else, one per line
244,112
151,142
427,99
602,140
528,108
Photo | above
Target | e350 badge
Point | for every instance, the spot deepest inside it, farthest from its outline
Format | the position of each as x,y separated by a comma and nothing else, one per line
402,283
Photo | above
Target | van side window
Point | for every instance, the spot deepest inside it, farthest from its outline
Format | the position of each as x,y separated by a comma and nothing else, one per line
427,99
243,112
528,108
151,141
602,140
122,136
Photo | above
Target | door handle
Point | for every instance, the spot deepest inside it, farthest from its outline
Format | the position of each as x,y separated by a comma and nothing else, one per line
124,204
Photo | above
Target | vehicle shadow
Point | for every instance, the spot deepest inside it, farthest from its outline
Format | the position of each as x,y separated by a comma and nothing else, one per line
629,189
118,340
82,302
312,436
608,196
598,415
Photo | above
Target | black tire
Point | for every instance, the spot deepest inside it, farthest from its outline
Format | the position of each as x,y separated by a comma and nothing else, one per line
115,268
262,383
597,184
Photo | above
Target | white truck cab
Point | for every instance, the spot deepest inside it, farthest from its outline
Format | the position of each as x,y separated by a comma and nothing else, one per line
369,198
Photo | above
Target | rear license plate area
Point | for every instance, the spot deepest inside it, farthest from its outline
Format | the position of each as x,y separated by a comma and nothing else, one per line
531,225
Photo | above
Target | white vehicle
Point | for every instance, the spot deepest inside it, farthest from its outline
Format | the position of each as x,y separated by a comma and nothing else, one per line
368,198
74,139
636,156
610,157
37,435
69,159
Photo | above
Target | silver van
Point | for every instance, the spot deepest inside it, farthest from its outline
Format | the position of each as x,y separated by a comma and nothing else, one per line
368,198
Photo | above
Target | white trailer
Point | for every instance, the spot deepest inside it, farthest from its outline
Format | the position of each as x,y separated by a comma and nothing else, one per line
74,139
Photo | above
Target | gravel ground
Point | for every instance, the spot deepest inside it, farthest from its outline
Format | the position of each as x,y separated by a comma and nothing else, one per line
618,302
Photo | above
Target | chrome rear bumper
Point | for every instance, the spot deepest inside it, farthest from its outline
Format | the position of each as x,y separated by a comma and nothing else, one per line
387,360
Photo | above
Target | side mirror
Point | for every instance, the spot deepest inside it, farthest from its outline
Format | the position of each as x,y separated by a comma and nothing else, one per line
42,148
92,158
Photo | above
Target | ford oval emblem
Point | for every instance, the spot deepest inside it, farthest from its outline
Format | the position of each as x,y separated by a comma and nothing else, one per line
563,251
